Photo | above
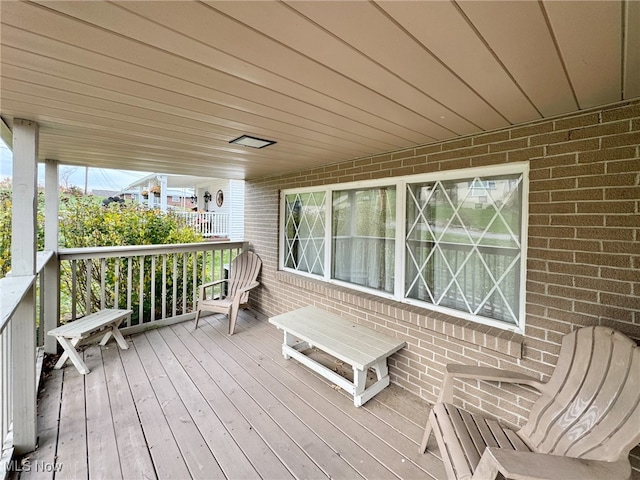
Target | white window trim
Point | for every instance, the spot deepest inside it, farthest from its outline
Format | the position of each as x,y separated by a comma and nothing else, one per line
400,254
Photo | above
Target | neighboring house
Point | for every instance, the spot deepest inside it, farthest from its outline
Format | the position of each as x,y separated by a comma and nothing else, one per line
219,202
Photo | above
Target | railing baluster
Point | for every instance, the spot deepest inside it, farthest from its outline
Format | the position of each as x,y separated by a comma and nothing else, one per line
103,277
184,283
74,278
141,292
116,288
89,270
175,285
164,286
129,286
194,281
153,289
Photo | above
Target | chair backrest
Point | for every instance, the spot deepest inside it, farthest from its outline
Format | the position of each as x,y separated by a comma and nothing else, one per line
244,270
590,408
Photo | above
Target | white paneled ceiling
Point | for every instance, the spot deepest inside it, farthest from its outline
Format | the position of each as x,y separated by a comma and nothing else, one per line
164,86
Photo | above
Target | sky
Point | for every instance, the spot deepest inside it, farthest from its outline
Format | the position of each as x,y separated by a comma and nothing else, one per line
98,178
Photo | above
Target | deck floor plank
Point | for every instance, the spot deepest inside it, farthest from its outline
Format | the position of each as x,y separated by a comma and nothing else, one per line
167,458
135,458
293,457
390,444
198,403
277,408
194,448
257,451
401,411
226,451
72,438
348,449
102,448
42,462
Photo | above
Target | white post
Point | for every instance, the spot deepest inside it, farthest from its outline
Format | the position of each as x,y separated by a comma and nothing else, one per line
163,192
23,262
51,275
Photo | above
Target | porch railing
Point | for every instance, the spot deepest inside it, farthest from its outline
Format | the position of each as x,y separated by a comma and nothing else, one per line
16,302
209,224
158,282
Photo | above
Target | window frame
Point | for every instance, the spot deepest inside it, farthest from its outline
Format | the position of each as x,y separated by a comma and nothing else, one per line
400,183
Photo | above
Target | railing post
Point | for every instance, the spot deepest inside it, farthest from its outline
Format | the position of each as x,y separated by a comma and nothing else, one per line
23,262
50,281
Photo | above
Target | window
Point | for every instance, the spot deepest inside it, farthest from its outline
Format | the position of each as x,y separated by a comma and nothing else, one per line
363,237
463,254
304,228
453,241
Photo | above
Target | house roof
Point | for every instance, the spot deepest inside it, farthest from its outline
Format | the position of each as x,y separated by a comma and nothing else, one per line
164,86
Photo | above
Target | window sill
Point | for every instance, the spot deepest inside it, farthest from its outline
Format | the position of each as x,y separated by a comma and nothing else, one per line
491,339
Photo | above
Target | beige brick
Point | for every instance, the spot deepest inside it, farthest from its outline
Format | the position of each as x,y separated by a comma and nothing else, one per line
599,130
622,220
621,261
577,195
577,121
404,154
509,145
575,146
455,164
553,184
624,166
616,113
575,245
549,138
427,149
578,220
491,138
622,193
525,154
578,170
632,138
557,161
606,207
529,130
556,208
410,162
461,143
622,179
489,159
607,154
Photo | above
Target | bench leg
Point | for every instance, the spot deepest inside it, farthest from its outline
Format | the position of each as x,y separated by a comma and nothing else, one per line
116,335
359,382
289,340
71,353
363,395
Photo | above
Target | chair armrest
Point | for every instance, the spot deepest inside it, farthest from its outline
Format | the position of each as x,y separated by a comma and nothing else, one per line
202,287
519,465
453,370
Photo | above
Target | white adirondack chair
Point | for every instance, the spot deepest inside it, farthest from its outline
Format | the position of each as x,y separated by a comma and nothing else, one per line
583,425
243,272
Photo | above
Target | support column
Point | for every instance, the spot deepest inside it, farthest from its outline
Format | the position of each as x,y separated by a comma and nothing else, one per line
163,193
51,274
23,262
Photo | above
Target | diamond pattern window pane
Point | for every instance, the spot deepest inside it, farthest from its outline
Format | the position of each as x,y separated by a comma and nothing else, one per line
305,232
463,245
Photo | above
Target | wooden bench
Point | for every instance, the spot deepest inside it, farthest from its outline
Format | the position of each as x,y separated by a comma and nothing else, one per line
353,344
103,323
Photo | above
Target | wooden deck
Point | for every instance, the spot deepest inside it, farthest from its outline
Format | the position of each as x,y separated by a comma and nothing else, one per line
199,404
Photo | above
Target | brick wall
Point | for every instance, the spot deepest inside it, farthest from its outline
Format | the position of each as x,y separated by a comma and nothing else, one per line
583,257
